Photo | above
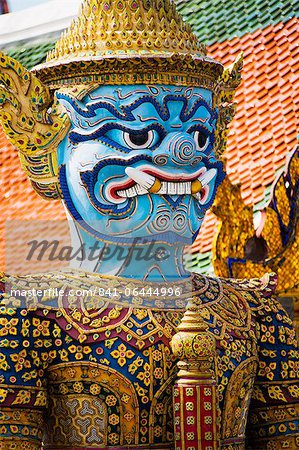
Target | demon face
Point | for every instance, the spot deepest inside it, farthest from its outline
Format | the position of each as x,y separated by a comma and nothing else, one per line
139,161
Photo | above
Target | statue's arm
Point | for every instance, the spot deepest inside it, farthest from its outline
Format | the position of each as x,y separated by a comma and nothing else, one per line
22,390
274,411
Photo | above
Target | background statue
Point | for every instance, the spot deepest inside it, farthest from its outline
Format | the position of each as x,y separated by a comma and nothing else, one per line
126,122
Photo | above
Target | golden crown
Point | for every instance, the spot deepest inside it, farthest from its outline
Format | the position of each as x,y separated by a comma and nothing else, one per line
129,42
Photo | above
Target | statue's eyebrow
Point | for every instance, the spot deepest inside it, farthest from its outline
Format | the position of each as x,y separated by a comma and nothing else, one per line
107,97
146,119
121,112
98,122
130,94
199,119
76,136
125,112
186,114
161,108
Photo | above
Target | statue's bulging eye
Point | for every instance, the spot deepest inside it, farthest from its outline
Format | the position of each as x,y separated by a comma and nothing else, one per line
126,139
202,139
139,140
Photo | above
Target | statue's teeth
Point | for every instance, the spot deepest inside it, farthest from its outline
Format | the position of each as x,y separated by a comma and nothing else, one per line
143,179
207,177
202,197
181,188
140,190
166,187
122,193
146,183
131,192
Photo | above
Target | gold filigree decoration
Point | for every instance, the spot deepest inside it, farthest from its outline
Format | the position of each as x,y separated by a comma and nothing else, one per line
280,231
30,420
236,406
264,420
84,386
32,121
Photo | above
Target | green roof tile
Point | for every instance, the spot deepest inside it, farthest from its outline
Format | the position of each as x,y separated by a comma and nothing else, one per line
30,56
220,20
213,21
200,263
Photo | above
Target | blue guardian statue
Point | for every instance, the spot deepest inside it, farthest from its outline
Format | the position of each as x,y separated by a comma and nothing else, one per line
126,122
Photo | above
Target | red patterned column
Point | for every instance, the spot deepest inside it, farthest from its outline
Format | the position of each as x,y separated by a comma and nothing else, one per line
195,393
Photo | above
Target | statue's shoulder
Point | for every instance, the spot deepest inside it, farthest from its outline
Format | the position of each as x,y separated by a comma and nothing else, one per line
208,288
25,291
230,304
264,286
48,289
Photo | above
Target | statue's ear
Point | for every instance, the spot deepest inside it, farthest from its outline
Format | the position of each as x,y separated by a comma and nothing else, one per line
28,111
33,122
75,109
225,91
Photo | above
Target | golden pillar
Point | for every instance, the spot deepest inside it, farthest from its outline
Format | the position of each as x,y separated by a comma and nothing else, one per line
196,416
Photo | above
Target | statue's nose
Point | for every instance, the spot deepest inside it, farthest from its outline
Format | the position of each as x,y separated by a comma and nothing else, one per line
178,149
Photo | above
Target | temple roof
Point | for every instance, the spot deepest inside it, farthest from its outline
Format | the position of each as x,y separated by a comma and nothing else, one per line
226,19
31,55
264,128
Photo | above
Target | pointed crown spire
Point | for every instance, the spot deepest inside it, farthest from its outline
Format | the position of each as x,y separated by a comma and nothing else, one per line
124,27
128,41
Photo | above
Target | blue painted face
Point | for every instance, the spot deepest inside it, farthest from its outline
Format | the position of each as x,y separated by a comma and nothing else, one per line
139,161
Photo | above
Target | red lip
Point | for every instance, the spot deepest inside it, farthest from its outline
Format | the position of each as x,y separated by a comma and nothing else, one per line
126,185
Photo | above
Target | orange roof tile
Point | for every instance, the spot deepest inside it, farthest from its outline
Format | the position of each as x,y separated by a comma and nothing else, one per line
265,127
18,201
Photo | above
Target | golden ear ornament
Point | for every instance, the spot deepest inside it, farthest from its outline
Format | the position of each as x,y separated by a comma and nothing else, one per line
224,95
127,42
32,121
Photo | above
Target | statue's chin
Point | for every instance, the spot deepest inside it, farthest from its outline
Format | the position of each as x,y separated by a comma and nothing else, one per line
170,238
